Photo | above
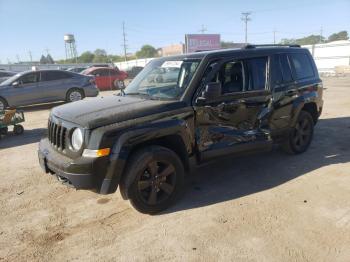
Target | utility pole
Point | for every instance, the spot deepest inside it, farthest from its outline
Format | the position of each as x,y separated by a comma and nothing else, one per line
245,18
321,33
124,42
30,56
274,36
203,29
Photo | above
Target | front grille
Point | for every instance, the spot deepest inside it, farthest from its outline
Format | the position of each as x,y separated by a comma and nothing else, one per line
57,135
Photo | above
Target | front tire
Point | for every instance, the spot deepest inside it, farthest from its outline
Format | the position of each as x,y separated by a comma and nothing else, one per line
75,94
300,136
154,179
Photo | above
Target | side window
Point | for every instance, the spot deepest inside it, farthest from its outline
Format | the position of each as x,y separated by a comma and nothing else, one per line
112,72
285,67
48,76
231,77
63,75
98,72
277,77
29,78
257,68
302,65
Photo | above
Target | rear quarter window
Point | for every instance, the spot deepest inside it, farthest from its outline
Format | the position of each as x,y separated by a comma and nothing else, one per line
302,65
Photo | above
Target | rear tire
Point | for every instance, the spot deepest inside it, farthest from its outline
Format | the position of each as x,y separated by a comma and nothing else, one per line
18,129
75,94
154,179
300,136
3,104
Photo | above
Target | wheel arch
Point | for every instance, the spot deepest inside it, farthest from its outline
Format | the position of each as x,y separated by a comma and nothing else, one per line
172,142
305,104
173,134
312,109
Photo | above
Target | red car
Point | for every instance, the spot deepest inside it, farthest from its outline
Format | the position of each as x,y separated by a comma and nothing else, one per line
107,78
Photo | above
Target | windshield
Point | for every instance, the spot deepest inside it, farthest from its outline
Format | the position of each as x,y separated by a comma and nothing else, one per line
10,80
163,79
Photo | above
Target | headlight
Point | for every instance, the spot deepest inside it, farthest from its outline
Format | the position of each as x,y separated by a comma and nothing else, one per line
77,139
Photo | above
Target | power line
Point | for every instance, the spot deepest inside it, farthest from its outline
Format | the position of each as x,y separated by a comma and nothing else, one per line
124,42
245,18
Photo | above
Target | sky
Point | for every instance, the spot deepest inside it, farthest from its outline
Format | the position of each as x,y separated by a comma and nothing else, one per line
39,25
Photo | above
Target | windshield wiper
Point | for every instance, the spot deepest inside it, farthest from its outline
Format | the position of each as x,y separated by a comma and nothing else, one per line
140,94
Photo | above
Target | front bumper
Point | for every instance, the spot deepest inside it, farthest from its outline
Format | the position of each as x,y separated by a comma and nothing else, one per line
79,173
101,175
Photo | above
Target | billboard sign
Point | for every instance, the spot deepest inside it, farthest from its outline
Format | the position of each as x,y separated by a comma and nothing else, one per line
202,42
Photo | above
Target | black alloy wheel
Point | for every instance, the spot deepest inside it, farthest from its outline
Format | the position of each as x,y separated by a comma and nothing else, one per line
300,135
153,180
157,182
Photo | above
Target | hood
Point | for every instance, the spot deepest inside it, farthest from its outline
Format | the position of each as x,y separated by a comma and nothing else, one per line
101,111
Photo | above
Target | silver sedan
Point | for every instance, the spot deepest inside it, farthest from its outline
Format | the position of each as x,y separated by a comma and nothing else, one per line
42,86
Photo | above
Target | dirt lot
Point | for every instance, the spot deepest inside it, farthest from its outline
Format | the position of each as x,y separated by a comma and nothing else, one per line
270,207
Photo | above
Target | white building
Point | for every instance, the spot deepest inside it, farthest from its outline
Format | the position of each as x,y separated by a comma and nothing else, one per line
330,55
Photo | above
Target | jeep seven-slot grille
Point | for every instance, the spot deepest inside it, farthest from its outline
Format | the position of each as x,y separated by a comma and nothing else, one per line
57,135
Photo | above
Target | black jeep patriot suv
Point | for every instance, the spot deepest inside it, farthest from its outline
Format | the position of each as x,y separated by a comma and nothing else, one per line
180,112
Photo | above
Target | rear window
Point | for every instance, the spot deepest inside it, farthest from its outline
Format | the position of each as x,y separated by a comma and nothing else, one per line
302,65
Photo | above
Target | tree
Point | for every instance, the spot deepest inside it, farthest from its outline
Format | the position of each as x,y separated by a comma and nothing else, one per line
86,57
146,52
49,59
342,35
308,40
100,56
43,60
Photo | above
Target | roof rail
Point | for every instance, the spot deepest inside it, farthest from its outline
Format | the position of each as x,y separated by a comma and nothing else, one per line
249,46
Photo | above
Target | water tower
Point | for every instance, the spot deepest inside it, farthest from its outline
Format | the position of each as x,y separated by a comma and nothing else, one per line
71,49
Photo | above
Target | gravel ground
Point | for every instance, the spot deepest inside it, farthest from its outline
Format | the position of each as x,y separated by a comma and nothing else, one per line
269,207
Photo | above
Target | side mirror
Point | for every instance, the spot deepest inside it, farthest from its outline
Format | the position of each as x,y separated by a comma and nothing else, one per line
15,84
212,91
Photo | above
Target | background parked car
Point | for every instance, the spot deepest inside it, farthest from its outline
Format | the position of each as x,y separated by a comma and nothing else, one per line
5,75
106,78
42,86
132,72
76,69
164,75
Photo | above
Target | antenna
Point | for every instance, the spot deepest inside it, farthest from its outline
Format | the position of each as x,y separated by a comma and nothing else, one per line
245,18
